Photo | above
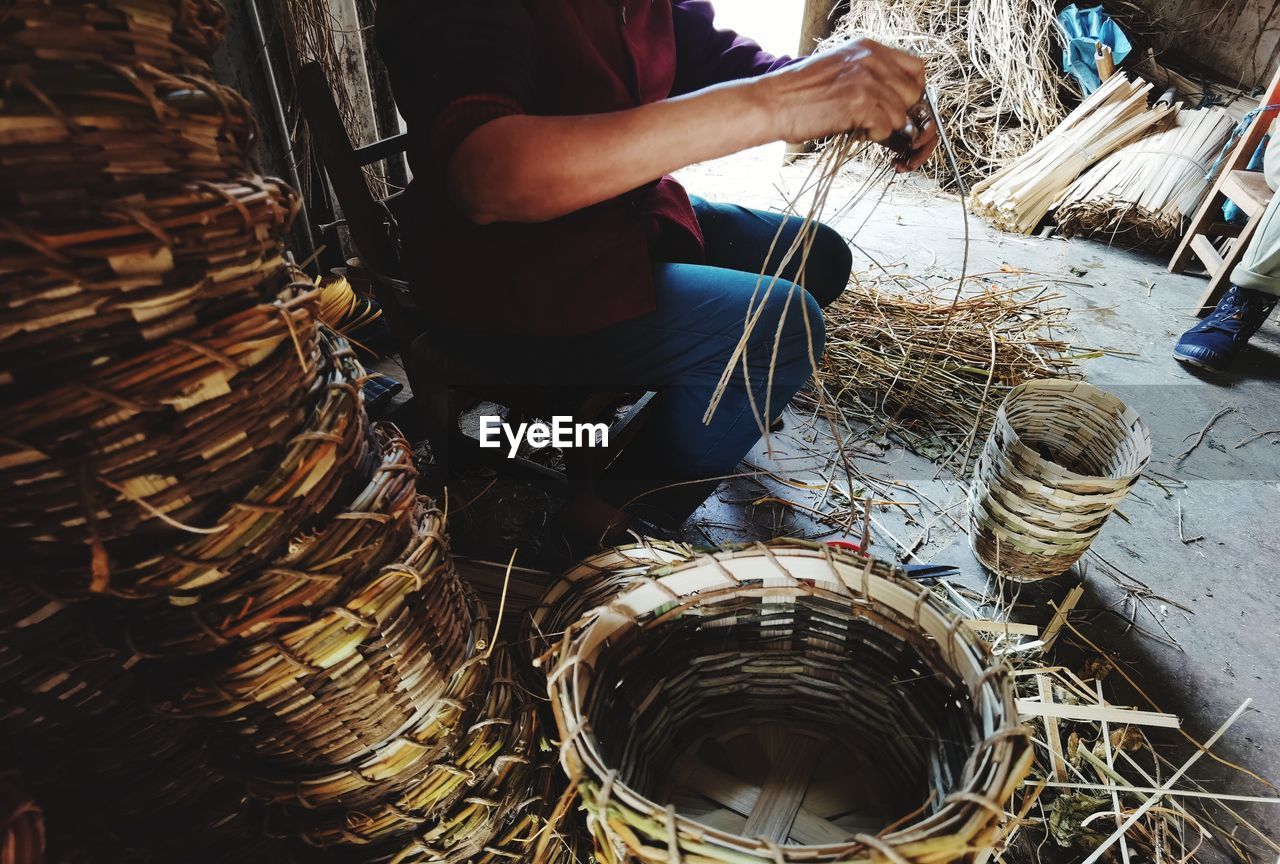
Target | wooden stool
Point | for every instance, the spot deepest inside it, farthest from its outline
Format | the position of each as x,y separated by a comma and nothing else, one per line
1250,192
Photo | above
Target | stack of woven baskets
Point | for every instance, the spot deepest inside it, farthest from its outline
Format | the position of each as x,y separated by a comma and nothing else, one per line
1061,456
227,620
780,703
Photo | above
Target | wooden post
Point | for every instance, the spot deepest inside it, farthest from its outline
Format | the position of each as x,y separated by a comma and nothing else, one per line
818,24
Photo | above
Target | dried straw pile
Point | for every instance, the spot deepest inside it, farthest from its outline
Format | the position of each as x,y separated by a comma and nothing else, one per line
1114,116
229,619
992,63
906,359
835,671
1140,196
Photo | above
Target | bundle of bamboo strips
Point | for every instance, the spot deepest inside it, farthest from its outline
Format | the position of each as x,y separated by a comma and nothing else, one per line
1020,196
935,373
991,62
1140,195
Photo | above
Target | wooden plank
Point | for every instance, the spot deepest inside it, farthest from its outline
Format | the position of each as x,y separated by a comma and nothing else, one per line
384,149
1249,190
741,797
1097,714
1221,280
817,24
1060,614
1207,253
1056,757
779,802
1013,628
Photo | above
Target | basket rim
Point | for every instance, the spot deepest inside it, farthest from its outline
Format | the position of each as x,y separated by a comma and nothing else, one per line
1096,395
808,571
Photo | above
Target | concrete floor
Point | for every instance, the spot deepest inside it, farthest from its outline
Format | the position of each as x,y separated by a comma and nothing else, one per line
1229,650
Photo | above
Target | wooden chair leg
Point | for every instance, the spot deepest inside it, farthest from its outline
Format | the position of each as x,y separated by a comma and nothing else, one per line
1220,280
1210,212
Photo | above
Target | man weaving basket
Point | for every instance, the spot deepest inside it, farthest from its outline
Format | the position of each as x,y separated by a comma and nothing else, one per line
543,133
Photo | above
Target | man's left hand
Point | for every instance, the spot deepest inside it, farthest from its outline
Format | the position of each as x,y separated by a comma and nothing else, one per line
922,146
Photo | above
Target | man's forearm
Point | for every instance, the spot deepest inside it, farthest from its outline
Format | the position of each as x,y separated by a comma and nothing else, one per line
524,168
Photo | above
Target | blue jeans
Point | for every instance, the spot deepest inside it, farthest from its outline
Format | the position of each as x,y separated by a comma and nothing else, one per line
681,350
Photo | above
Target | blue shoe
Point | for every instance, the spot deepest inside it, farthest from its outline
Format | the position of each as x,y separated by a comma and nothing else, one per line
1214,342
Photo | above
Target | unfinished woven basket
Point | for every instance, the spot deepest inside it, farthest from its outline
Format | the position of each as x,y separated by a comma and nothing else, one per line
592,583
1062,455
21,823
100,283
785,703
117,465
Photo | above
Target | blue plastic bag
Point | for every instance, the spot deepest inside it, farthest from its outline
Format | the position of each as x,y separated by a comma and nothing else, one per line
1084,29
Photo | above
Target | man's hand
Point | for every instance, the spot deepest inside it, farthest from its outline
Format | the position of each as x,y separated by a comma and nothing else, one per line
923,145
861,86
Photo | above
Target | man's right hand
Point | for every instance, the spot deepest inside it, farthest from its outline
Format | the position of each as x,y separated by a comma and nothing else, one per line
860,86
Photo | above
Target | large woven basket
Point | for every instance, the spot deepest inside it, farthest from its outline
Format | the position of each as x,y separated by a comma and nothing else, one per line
175,35
99,132
785,704
591,583
80,722
154,447
337,686
102,282
1062,455
326,555
462,801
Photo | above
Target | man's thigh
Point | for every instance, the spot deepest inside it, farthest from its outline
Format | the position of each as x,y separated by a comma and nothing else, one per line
690,336
740,238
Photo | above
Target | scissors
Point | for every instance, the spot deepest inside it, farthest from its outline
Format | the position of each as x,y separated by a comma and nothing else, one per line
916,572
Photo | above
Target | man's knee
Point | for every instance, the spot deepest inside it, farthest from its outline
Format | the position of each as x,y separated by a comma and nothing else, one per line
804,334
829,265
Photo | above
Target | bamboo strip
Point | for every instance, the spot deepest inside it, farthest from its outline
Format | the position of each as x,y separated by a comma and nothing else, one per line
1018,197
1141,195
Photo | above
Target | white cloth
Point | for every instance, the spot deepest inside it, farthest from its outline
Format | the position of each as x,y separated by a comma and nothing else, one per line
1260,267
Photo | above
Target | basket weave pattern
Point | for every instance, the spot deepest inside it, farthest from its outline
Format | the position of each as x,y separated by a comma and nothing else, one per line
797,638
230,624
1060,458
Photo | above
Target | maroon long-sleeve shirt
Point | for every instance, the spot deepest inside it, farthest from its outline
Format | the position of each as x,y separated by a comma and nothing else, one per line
458,65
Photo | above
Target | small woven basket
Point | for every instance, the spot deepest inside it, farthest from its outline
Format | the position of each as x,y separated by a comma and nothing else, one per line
1062,455
781,704
98,284
118,464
